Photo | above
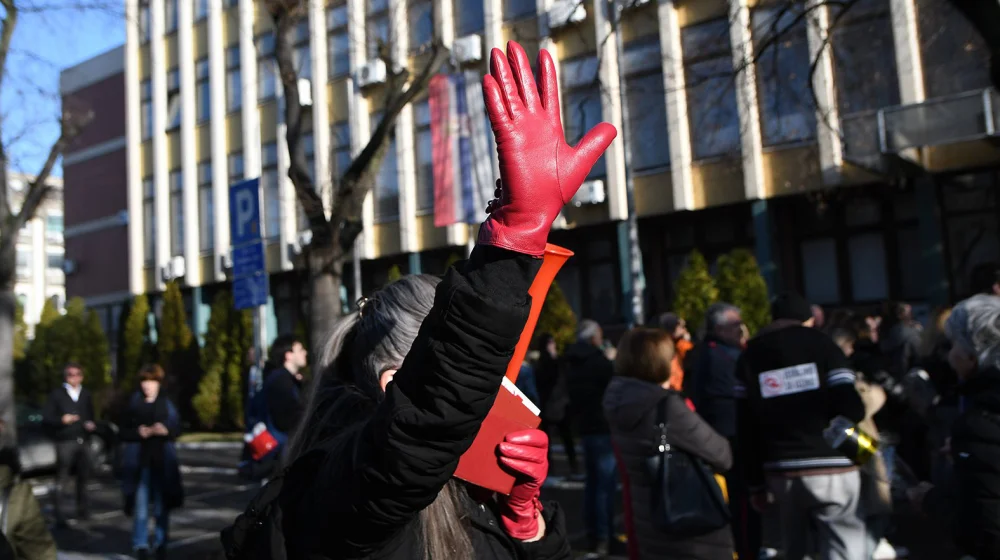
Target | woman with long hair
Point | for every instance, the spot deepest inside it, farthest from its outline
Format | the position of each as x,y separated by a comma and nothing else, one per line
151,475
406,381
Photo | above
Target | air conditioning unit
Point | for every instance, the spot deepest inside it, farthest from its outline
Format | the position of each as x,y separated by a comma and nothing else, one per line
305,92
591,192
372,73
468,48
566,12
226,261
68,266
174,269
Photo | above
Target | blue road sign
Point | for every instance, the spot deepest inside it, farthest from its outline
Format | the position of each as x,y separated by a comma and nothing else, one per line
250,291
248,259
244,212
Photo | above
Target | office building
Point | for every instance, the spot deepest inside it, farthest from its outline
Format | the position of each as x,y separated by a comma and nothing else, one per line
39,271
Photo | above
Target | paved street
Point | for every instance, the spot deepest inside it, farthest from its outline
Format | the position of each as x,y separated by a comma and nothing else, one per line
215,496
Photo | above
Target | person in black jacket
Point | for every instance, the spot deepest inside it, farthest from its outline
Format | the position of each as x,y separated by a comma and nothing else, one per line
550,377
69,415
640,387
282,386
404,386
969,503
588,373
794,380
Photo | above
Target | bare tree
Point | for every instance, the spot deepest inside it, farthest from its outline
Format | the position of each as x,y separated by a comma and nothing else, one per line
333,237
11,220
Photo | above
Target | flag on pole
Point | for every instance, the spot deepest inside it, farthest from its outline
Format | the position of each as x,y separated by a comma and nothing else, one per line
439,103
481,177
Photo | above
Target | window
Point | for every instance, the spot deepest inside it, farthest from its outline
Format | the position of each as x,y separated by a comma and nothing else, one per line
469,17
302,55
377,27
234,80
340,139
513,9
176,213
955,57
864,58
336,25
424,156
387,182
787,113
143,22
231,3
819,270
266,73
54,260
270,184
200,9
54,223
235,168
170,15
868,274
206,208
146,109
309,148
173,99
148,220
646,105
711,95
203,91
23,262
581,102
421,18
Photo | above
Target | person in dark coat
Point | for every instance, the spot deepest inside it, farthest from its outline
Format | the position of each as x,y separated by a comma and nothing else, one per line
69,416
282,386
407,381
550,378
640,387
151,475
969,503
588,373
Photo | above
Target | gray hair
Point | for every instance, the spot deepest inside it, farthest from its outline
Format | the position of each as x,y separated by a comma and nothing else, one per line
587,330
974,325
715,315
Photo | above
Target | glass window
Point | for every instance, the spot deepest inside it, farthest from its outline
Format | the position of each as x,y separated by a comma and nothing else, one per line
603,293
377,30
469,17
146,109
235,168
54,260
266,73
203,91
647,107
581,104
340,56
176,213
387,182
302,56
148,221
421,18
234,80
54,223
954,55
200,9
143,22
173,99
340,138
206,208
23,260
271,187
711,95
868,274
425,157
170,15
864,58
787,113
819,271
513,9
911,275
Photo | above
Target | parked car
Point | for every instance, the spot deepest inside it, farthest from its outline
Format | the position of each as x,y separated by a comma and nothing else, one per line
37,450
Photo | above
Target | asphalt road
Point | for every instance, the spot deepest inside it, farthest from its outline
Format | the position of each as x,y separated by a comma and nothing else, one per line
215,496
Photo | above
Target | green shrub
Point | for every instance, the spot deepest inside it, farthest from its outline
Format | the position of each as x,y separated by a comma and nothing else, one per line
694,291
741,284
134,346
557,318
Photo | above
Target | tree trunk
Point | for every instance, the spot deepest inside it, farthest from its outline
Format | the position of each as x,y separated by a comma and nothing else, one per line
326,277
7,303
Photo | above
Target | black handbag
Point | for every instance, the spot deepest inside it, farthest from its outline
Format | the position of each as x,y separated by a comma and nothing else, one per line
687,500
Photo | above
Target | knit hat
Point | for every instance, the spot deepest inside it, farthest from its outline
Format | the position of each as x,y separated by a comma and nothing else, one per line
789,305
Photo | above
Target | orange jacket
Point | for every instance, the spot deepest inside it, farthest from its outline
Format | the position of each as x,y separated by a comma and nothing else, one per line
681,348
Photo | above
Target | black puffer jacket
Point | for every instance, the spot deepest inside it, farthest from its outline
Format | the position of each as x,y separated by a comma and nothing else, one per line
971,502
588,372
388,464
631,407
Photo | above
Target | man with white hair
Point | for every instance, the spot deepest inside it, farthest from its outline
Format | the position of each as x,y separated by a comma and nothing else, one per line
711,372
969,504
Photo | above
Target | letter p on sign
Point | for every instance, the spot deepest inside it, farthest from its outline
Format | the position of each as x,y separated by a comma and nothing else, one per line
244,212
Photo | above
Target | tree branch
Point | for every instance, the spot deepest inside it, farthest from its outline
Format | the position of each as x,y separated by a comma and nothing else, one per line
9,22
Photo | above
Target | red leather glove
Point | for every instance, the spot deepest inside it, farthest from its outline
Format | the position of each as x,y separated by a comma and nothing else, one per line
525,454
539,171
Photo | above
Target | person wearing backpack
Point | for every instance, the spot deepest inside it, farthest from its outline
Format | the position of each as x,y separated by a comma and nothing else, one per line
407,380
22,525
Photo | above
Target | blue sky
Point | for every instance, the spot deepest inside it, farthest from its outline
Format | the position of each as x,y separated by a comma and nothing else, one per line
44,43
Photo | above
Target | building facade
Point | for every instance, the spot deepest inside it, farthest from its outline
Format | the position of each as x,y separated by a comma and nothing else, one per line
39,251
853,152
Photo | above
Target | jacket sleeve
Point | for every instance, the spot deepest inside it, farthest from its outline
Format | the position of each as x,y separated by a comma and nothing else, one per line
395,465
173,422
687,430
30,536
128,427
748,431
717,405
844,399
555,544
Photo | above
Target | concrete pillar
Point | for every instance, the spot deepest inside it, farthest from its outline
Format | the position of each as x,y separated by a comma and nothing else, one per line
136,225
611,110
318,44
746,99
932,257
827,117
675,97
764,250
358,110
271,322
248,78
220,160
201,311
189,167
161,203
906,39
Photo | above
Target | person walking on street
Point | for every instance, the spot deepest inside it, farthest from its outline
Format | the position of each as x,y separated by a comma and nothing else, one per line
150,470
794,380
710,375
589,371
23,525
282,387
69,415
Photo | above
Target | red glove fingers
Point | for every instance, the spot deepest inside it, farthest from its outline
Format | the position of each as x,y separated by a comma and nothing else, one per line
524,453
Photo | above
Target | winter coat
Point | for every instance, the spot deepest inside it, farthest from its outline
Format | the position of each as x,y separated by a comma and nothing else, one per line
156,452
362,497
283,400
631,408
588,372
900,349
550,377
27,533
60,403
709,379
970,502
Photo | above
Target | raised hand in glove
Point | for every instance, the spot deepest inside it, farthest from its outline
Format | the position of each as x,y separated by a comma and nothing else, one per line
539,171
525,455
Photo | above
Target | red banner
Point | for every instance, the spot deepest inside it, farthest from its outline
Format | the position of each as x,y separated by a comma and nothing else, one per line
439,102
